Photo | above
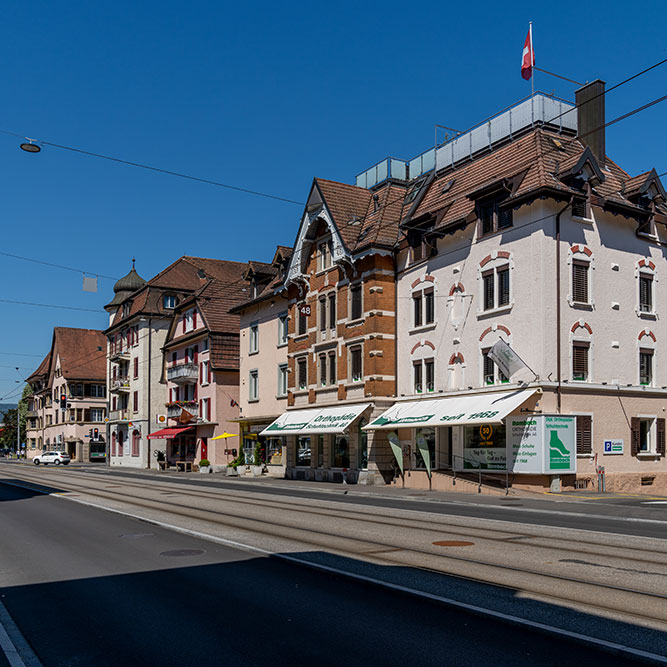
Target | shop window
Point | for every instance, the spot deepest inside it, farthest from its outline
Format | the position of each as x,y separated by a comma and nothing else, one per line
356,364
645,293
429,436
302,369
253,385
646,367
580,366
484,447
356,306
340,453
580,278
363,445
303,451
584,424
491,374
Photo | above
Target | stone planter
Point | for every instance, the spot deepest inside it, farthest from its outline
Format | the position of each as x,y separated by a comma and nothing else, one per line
232,472
256,470
205,469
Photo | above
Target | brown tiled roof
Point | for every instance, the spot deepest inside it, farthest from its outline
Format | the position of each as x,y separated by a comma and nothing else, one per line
42,369
82,353
215,300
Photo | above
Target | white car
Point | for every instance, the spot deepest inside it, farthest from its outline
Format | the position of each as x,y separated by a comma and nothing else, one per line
52,457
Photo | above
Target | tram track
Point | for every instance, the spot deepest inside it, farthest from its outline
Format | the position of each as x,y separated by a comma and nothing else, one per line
357,540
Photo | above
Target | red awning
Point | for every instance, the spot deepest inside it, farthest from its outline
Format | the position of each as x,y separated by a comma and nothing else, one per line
168,433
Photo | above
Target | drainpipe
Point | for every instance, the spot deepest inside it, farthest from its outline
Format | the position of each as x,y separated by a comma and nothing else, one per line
558,318
150,333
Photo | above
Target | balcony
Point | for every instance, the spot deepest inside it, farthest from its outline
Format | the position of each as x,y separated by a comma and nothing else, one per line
32,413
182,373
120,355
119,415
120,384
174,410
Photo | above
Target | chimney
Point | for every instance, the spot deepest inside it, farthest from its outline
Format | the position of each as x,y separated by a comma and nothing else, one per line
590,117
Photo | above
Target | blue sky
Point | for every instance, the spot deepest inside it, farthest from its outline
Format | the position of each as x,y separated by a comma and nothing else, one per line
263,96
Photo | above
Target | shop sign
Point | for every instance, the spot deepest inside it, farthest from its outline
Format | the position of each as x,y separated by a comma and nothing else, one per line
485,458
560,450
525,444
613,447
331,421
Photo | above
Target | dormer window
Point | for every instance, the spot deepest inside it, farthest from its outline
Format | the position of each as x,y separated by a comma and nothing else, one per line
324,253
169,301
127,306
493,218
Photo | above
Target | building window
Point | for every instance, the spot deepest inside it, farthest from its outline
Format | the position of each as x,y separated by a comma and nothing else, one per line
324,255
645,293
580,369
282,379
584,434
492,218
96,414
135,367
323,313
417,309
580,273
646,367
648,436
302,370
356,364
340,453
303,451
491,374
136,440
356,306
323,370
253,385
418,379
423,308
282,329
135,401
332,368
254,338
496,287
206,409
205,372
332,311
169,301
363,445
429,374
204,345
304,310
188,321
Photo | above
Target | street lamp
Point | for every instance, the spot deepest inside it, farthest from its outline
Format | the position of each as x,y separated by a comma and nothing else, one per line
30,147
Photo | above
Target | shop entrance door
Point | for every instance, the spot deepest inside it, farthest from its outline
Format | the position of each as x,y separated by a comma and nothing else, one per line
445,447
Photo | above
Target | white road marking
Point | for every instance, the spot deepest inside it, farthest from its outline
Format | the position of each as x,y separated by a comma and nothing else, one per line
515,620
26,657
654,502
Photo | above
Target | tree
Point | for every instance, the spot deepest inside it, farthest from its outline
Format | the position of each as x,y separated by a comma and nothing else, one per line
8,435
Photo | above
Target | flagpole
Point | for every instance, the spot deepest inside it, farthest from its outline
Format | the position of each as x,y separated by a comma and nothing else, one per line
532,59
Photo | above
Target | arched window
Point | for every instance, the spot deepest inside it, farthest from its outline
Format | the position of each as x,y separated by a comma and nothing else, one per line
113,444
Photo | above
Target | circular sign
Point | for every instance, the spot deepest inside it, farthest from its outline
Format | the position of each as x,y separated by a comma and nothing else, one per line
485,431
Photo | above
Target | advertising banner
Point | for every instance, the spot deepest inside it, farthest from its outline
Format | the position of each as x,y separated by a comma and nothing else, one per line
525,444
560,452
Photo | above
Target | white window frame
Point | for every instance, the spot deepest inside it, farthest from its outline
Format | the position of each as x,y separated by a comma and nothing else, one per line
583,342
203,380
253,385
282,329
253,338
297,362
283,370
169,301
494,268
646,272
189,321
652,435
642,348
580,261
351,349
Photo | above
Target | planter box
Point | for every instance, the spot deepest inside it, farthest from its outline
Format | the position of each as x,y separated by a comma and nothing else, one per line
232,472
205,469
256,470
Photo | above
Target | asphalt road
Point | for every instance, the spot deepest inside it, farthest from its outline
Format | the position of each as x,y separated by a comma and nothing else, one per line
626,515
88,587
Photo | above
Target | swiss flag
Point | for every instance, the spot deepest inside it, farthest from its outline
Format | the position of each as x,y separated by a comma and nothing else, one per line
528,57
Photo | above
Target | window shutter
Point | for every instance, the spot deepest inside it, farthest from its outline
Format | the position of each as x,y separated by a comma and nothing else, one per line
86,416
201,372
503,286
584,443
113,444
580,362
660,432
194,318
208,371
196,354
504,218
417,301
201,414
580,282
579,208
136,367
488,290
135,401
634,440
183,321
194,392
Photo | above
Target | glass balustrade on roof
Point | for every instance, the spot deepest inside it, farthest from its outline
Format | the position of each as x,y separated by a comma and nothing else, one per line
539,108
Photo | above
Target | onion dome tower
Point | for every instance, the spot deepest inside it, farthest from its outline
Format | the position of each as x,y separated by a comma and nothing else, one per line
124,287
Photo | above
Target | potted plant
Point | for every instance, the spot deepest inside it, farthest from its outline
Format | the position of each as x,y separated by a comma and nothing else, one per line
257,467
205,466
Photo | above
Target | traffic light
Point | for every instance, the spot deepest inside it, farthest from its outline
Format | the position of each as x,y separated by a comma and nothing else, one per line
90,434
96,434
63,402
